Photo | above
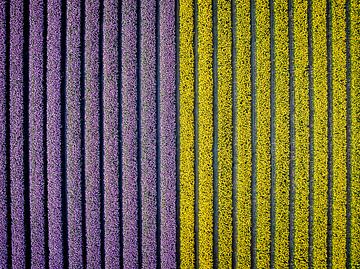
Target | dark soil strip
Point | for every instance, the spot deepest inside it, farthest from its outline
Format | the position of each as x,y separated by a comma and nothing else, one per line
7,103
101,132
138,108
27,224
119,37
82,130
46,212
63,137
177,27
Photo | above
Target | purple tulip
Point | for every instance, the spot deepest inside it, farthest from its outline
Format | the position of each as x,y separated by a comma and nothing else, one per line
148,133
111,131
92,135
17,134
73,135
3,172
129,133
36,134
54,142
167,133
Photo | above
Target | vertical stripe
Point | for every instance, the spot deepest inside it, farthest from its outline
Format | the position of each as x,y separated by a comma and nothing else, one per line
36,132
111,142
119,134
234,135
63,125
215,135
243,127
177,93
3,146
186,90
92,136
53,129
263,133
167,133
330,131
282,135
253,131
26,109
7,137
224,133
82,131
73,135
177,82
139,132
292,135
130,133
148,133
158,139
44,141
339,134
301,98
196,128
311,135
348,134
205,127
17,176
320,133
272,135
355,132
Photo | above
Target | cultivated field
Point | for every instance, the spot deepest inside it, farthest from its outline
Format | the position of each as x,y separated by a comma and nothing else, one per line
179,134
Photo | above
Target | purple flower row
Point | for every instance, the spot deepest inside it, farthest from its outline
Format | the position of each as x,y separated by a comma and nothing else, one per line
17,134
54,134
3,185
111,134
129,134
36,134
92,135
148,133
73,135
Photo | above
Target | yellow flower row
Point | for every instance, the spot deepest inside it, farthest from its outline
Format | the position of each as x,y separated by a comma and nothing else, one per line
224,133
320,133
339,133
187,176
282,134
263,133
301,91
243,105
205,123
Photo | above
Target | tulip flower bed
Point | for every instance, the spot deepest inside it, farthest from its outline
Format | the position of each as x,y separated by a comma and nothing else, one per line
179,134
